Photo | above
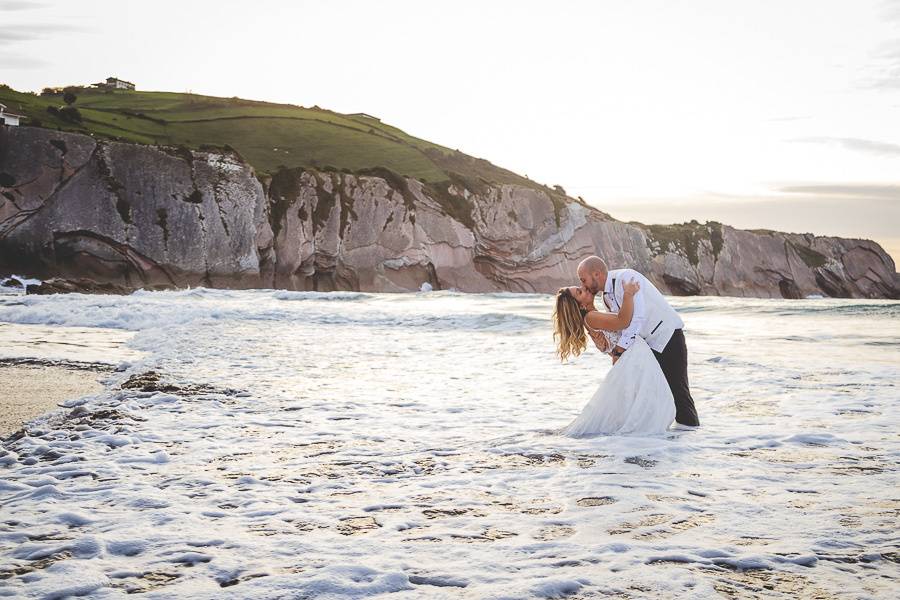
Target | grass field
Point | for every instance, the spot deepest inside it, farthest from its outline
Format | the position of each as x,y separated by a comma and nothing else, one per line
267,135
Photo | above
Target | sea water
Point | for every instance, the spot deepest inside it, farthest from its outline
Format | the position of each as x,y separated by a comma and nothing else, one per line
316,445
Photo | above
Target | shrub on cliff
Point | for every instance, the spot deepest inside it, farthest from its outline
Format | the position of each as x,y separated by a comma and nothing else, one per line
70,114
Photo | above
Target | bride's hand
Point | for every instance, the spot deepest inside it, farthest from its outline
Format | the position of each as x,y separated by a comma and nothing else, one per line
631,288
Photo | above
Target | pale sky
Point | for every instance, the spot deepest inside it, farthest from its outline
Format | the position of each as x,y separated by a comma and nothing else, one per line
778,114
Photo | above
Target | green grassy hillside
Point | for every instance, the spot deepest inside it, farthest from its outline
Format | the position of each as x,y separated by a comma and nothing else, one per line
267,135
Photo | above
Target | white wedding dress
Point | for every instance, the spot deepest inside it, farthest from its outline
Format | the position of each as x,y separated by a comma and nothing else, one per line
633,398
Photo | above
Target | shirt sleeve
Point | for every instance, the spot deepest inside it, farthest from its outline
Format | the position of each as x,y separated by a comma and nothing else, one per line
639,315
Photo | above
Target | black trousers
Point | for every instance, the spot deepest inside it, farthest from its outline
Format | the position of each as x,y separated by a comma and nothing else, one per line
673,362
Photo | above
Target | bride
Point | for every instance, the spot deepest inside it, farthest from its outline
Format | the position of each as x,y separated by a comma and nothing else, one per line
634,397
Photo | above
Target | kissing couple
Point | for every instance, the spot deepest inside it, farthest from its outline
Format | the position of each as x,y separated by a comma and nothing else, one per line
648,385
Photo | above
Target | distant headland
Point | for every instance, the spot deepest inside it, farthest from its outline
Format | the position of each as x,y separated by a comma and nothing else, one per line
160,189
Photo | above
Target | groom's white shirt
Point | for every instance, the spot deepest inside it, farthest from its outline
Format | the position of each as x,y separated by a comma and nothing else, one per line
653,318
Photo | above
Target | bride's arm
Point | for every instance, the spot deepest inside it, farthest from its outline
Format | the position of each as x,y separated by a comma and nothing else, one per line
599,340
614,321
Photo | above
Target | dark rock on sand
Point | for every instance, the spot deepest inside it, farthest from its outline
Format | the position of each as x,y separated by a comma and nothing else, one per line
80,285
151,381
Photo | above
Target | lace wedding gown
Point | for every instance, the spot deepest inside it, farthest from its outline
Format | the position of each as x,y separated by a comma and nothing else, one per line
633,398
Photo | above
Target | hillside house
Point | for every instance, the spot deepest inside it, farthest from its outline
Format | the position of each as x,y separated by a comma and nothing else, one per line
9,118
114,83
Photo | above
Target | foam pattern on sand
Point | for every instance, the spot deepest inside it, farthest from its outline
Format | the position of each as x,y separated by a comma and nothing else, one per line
293,445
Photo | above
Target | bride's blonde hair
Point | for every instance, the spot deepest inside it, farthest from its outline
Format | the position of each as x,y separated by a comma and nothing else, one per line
568,325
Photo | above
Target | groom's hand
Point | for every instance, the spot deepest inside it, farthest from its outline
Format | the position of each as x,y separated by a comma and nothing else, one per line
617,353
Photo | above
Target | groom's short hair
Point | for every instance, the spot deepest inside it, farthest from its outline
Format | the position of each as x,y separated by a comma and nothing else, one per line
593,264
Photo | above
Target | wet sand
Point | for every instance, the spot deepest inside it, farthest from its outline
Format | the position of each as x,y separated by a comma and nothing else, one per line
28,391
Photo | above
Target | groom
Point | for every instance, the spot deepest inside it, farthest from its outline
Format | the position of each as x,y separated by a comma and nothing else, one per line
654,320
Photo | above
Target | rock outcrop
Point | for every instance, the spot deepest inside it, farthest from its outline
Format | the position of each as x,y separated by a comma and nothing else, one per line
143,216
146,216
80,286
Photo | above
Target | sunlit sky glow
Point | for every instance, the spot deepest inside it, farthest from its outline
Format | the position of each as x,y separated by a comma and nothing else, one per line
759,113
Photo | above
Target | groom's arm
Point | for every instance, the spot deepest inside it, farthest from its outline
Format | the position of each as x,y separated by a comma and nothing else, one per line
639,317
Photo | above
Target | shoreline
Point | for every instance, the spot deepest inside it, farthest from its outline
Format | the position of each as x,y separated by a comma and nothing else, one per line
33,388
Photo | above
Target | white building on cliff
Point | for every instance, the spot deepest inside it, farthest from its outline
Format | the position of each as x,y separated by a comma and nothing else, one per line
9,118
114,83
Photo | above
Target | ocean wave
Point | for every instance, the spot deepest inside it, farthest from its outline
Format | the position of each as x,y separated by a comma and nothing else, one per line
191,292
776,307
217,293
438,310
487,321
334,296
131,313
155,310
495,322
874,308
882,343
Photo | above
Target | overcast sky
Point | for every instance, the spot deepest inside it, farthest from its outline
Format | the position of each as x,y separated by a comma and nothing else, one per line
780,114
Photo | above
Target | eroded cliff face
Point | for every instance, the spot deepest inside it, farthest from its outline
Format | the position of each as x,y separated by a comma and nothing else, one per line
148,216
339,231
139,215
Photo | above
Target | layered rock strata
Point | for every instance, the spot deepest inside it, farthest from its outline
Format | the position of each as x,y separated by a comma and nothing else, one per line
155,217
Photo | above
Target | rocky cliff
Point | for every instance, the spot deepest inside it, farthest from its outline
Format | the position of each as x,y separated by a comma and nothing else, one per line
147,216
